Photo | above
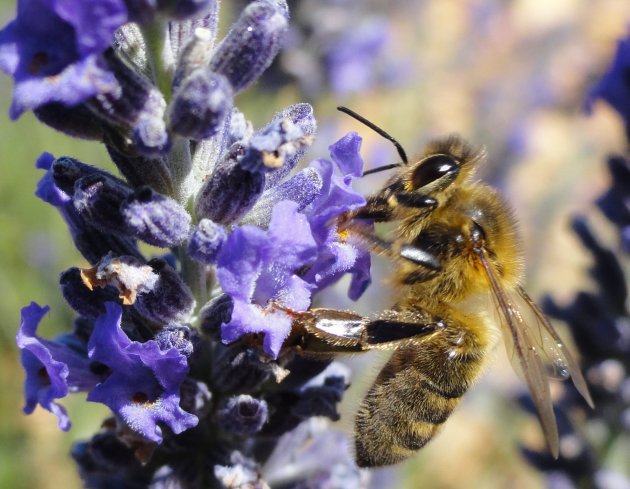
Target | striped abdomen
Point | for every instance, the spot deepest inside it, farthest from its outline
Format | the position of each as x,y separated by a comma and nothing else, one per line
414,394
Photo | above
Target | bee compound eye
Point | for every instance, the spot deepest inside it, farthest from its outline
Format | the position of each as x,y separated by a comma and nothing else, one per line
434,168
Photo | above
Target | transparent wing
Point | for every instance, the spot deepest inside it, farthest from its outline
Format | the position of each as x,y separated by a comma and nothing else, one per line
559,358
535,349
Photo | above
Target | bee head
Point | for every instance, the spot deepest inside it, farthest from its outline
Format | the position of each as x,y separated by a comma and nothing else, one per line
444,164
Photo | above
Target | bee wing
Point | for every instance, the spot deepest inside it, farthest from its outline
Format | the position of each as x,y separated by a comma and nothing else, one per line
535,350
563,363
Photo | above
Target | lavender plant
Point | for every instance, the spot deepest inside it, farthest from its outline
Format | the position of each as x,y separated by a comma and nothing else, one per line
600,323
184,345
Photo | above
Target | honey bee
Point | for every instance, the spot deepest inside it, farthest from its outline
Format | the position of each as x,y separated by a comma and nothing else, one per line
457,276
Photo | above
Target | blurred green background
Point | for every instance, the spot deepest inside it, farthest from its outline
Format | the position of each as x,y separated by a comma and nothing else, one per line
511,75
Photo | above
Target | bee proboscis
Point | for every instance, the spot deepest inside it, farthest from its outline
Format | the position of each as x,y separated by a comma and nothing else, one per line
457,280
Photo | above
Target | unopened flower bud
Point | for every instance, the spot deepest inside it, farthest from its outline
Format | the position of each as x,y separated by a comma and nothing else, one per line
97,198
151,137
155,218
170,300
215,313
230,191
77,121
182,33
244,415
251,44
175,337
206,241
66,171
86,302
140,170
201,105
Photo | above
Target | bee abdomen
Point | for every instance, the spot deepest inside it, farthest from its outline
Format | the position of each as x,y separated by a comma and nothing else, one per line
407,405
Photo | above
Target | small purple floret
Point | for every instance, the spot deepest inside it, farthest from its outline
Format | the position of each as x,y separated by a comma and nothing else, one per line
258,268
52,368
143,387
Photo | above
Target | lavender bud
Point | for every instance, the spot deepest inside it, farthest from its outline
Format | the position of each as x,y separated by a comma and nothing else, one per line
251,44
270,147
196,398
175,337
86,302
183,9
139,170
123,107
66,171
243,415
170,301
182,33
98,197
130,45
94,244
230,191
215,313
151,137
155,218
236,370
321,400
206,241
302,116
77,121
201,105
196,54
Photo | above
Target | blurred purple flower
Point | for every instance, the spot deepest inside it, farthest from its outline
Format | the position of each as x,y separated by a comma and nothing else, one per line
52,51
614,87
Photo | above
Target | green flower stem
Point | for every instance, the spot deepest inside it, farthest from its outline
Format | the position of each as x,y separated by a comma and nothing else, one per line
154,35
194,274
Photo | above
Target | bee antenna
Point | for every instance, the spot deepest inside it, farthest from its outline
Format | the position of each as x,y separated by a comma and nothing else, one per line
378,130
381,168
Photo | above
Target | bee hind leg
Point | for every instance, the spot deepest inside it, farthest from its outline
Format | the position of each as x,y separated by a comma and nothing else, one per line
330,331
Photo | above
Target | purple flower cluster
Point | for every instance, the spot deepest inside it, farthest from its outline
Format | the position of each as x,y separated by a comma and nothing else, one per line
187,348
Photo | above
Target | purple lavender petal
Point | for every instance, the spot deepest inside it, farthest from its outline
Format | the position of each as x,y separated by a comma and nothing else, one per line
143,388
258,268
346,154
52,368
240,262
